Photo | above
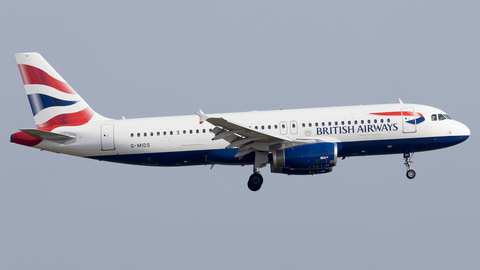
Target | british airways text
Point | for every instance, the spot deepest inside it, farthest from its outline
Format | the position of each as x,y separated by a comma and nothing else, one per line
359,129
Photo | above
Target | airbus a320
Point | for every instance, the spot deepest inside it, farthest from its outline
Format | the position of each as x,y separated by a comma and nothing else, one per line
292,142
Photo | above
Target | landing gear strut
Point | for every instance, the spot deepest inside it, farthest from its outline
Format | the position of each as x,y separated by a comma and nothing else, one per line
408,163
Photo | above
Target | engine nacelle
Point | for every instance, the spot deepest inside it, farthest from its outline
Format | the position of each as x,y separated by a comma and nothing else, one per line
305,159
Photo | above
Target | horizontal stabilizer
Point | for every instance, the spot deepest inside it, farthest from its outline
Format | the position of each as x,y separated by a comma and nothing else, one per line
47,135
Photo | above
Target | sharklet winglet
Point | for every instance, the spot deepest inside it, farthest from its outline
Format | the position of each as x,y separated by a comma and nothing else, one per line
202,115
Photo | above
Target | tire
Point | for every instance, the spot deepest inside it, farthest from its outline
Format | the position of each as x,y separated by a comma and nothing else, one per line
255,182
411,174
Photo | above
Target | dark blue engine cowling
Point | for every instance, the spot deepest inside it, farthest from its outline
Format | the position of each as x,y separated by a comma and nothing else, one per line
305,159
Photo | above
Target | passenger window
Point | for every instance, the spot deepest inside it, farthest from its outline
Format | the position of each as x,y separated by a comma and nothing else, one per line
164,133
145,134
191,131
276,126
283,125
256,127
336,123
178,132
362,122
309,124
329,123
323,124
388,120
368,121
131,135
263,127
375,121
349,122
316,124
269,127
203,130
151,133
198,131
381,121
441,117
356,122
343,123
434,117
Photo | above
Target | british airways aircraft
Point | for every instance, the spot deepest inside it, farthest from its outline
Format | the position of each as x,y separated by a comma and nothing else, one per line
293,142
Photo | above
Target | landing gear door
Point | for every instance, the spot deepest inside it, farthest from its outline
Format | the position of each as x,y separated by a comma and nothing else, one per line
108,142
408,120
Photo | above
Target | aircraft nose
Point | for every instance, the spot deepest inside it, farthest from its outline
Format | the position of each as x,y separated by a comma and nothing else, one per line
460,130
464,130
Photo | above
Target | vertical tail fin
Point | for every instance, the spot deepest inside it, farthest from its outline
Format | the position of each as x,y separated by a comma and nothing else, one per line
54,103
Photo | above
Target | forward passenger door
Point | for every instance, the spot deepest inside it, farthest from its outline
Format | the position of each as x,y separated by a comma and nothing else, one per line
408,120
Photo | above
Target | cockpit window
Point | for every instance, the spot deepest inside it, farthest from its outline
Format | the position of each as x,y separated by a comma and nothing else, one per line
440,117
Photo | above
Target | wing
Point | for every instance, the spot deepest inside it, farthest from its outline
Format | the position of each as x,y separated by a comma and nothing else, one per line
245,138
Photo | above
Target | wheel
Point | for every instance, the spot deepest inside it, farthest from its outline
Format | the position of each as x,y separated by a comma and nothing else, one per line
255,182
411,174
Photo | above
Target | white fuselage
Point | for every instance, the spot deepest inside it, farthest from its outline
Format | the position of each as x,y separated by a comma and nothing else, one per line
356,128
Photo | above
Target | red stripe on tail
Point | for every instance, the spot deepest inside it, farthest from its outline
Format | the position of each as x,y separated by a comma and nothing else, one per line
70,119
33,75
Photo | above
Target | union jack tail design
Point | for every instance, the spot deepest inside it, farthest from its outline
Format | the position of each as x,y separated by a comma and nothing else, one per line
54,103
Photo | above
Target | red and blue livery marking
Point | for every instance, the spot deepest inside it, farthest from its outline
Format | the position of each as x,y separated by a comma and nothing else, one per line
419,118
39,102
77,113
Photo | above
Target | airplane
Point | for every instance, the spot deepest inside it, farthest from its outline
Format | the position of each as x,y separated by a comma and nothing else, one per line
292,142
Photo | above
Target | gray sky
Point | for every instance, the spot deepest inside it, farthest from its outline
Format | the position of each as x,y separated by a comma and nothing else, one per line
157,58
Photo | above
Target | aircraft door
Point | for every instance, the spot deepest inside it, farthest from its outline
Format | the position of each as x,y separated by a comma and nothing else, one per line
293,127
283,128
108,142
408,120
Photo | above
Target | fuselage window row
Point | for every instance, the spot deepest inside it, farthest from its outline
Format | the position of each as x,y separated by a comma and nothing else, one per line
165,133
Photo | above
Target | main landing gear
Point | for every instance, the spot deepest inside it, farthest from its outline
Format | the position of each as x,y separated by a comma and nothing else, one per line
255,181
408,163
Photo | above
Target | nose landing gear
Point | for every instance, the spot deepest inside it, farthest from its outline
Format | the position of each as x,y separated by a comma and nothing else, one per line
408,163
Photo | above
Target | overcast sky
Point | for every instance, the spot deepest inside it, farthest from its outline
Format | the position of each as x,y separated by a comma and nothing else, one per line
159,58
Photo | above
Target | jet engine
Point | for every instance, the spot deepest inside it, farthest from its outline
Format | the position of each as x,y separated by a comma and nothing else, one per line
312,158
